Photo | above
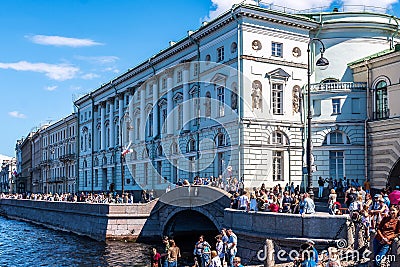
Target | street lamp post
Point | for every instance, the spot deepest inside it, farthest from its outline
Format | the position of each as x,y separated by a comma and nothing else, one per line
321,62
122,156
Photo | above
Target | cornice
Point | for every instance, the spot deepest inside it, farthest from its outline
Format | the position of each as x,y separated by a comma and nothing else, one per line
275,62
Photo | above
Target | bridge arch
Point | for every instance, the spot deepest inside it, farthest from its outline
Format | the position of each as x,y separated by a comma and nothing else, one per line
394,175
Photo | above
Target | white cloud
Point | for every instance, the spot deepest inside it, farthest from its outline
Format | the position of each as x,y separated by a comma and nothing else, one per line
90,76
51,88
61,41
59,72
17,114
99,60
111,69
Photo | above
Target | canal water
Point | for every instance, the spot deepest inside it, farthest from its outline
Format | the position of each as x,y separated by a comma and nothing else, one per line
25,244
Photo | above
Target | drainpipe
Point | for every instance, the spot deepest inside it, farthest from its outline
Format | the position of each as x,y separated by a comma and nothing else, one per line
77,151
197,43
240,91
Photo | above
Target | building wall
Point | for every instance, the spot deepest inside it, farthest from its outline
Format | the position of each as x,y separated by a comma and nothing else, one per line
383,131
349,122
58,156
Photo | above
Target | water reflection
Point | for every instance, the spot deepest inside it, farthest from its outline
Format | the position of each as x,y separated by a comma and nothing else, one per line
24,244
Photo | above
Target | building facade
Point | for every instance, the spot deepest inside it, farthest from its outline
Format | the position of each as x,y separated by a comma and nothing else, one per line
7,174
227,101
380,72
56,158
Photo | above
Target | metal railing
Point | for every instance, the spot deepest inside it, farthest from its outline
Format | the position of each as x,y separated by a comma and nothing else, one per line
341,8
338,86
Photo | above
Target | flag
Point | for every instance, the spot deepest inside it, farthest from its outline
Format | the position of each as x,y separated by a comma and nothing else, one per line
127,150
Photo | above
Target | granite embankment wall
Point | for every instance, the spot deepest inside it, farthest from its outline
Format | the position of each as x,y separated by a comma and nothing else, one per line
288,231
97,221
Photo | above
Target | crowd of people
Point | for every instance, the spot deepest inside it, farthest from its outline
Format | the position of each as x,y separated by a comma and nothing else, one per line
221,253
109,198
274,199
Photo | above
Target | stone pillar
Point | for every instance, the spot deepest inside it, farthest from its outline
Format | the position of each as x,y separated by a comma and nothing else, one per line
170,106
102,126
186,106
95,135
269,253
155,108
111,125
142,112
120,115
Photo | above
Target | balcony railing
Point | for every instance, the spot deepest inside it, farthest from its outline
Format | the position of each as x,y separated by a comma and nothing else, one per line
338,86
382,114
67,157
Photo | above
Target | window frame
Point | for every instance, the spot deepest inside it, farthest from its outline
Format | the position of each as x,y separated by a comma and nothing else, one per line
277,49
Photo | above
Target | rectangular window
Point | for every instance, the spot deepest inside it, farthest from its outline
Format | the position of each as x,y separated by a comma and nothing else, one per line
336,138
336,106
316,107
277,165
164,120
116,104
196,69
277,99
146,172
382,110
137,128
221,101
150,125
179,76
164,83
126,99
133,171
336,164
220,54
355,105
276,49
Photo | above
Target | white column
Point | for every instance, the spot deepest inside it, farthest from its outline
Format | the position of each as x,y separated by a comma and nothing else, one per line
142,112
95,135
120,115
170,106
102,126
155,108
186,106
111,119
130,109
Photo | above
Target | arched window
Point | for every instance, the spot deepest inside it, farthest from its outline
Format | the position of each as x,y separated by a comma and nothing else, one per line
133,155
234,96
174,148
336,138
208,104
96,161
160,151
191,145
279,138
381,103
220,140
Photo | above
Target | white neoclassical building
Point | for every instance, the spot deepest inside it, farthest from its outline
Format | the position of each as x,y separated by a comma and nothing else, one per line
228,100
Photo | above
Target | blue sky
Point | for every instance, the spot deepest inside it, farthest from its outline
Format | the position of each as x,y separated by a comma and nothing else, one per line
53,51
